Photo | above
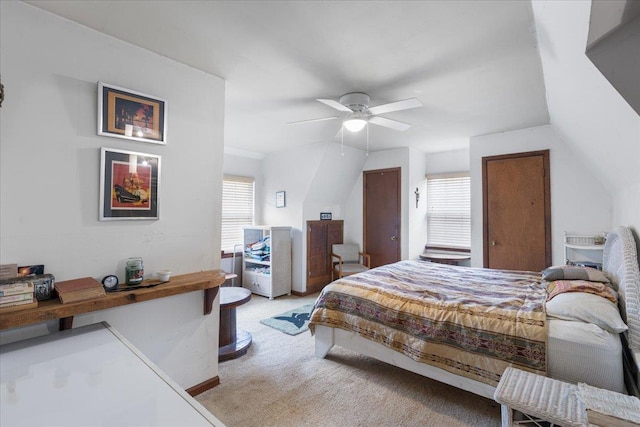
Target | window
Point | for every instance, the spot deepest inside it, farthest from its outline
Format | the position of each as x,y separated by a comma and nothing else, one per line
449,210
237,209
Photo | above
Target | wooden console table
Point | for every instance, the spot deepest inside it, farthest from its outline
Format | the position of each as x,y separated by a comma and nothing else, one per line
209,281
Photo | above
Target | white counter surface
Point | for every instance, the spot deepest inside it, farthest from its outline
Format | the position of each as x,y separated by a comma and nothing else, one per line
90,376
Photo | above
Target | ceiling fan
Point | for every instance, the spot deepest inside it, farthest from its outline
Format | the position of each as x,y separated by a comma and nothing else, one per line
356,105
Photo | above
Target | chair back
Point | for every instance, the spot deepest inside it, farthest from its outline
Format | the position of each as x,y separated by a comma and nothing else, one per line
348,251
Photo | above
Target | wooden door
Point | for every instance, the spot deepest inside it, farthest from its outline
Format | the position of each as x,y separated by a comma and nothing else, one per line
517,211
321,235
381,221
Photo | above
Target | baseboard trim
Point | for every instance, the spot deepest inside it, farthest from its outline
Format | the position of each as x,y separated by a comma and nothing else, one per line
204,386
302,294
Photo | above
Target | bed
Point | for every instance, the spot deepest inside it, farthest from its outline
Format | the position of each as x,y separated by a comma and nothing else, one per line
418,316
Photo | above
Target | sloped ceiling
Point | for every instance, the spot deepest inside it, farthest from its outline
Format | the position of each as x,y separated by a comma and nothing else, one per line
584,108
614,45
473,64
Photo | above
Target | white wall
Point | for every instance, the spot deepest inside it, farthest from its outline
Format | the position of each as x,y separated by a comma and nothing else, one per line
326,177
448,161
331,186
417,213
399,157
596,123
579,202
242,165
317,178
251,167
50,160
291,171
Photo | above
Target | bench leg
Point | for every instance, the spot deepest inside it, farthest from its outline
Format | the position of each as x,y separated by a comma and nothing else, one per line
507,416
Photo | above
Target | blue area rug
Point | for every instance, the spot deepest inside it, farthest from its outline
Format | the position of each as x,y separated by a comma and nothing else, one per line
292,322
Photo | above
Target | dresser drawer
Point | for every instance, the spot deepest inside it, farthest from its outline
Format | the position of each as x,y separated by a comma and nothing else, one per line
257,283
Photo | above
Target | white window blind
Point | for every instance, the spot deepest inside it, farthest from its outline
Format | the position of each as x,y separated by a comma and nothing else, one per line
449,210
237,209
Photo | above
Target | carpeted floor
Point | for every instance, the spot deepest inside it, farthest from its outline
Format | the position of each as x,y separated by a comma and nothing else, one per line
280,382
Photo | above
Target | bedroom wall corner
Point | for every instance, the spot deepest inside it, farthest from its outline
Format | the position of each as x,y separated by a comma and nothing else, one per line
585,108
398,157
579,202
626,206
317,178
291,171
417,212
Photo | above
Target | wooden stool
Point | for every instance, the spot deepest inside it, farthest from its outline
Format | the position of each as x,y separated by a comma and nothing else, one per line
232,344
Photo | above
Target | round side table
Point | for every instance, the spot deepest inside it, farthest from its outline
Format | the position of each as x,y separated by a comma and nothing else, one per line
232,343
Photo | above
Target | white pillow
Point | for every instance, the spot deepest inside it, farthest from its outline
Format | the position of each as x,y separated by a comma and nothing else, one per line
587,308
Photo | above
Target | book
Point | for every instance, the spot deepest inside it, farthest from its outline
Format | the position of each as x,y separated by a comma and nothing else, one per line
19,305
79,289
16,288
17,297
8,271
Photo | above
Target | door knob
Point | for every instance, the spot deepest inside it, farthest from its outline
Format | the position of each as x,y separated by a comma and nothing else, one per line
493,243
394,238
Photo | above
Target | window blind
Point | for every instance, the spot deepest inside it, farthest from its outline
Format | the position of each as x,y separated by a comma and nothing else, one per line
237,209
449,210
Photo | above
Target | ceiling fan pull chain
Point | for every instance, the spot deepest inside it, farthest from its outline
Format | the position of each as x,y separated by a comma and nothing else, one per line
342,138
367,139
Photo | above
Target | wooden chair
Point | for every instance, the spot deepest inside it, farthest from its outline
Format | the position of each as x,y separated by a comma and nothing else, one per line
346,259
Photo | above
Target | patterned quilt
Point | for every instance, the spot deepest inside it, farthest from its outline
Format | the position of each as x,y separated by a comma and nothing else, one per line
472,322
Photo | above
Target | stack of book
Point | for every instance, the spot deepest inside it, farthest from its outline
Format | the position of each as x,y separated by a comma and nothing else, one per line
17,296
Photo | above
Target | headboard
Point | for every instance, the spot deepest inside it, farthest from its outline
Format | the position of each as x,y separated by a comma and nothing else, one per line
621,265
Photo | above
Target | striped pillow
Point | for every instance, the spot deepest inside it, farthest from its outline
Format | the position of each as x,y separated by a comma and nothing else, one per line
572,272
558,287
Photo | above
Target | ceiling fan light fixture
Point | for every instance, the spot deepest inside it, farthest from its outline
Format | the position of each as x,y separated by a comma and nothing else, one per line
355,125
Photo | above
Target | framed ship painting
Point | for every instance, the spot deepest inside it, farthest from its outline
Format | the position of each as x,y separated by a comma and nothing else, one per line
123,113
129,185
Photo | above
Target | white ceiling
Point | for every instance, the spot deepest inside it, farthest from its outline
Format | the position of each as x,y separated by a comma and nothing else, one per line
474,64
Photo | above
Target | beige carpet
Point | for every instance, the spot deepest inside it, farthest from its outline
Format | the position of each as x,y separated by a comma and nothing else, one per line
280,382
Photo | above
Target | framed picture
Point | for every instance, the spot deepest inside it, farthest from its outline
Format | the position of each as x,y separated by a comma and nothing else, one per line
281,201
129,185
123,113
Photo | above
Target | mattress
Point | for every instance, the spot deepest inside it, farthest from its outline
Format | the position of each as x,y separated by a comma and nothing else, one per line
583,352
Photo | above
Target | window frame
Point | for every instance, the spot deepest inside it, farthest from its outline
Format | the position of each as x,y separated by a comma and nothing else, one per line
227,250
464,217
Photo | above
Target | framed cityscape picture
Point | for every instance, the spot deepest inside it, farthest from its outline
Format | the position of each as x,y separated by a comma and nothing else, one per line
129,185
123,113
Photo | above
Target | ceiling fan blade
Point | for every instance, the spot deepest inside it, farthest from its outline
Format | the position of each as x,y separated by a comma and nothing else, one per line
313,120
393,124
396,106
335,104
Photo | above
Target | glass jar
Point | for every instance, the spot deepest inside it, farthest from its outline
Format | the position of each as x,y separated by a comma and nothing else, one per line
135,271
